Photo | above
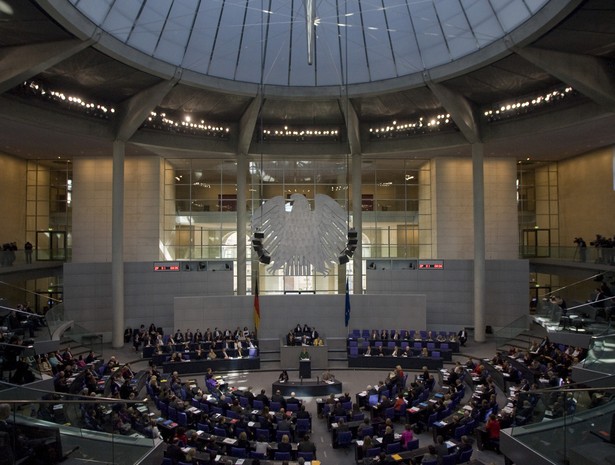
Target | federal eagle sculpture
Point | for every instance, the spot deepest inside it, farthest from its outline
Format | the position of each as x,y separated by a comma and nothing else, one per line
297,237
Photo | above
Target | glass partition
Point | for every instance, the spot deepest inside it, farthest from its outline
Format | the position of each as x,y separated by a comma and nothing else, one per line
48,427
566,425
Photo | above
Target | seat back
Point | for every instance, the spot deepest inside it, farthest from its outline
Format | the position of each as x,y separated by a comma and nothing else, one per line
465,456
238,452
292,407
393,448
274,406
368,431
308,456
373,452
450,459
219,431
258,404
344,438
412,445
281,456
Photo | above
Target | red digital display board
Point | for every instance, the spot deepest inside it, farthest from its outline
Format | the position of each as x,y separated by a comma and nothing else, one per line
431,265
166,266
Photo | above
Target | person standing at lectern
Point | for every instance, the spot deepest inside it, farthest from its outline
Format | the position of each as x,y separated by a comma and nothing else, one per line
304,354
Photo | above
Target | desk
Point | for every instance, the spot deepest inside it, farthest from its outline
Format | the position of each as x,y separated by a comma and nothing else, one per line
307,388
409,363
201,366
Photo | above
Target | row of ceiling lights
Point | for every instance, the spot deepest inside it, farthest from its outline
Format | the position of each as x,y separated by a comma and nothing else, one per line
186,122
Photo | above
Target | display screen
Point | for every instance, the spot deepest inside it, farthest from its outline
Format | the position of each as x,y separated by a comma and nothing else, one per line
166,266
431,265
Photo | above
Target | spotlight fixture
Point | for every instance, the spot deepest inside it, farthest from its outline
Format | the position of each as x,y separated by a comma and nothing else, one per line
259,250
351,246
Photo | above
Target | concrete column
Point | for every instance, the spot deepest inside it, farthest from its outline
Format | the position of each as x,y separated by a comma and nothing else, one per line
117,244
242,172
357,214
478,182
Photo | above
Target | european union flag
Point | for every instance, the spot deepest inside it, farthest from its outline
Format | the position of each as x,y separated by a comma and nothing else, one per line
347,313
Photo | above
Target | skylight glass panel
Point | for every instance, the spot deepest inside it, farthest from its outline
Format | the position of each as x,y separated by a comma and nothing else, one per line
484,24
429,35
226,46
379,53
329,67
96,11
176,31
277,58
201,42
121,18
511,13
407,55
148,26
457,33
357,59
252,46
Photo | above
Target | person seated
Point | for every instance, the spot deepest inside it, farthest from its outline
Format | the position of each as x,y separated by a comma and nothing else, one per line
290,339
283,378
284,445
328,376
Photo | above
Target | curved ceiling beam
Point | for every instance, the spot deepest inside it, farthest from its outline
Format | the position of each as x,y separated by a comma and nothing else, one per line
352,125
20,63
594,77
462,111
247,123
133,111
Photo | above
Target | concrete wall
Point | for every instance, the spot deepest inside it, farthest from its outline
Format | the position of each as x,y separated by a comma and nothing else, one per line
453,213
92,188
449,292
280,313
586,196
13,205
148,295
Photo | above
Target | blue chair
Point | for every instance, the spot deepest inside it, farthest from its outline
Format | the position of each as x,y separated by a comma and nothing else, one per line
258,404
460,431
353,344
308,456
390,413
238,452
303,426
256,455
435,354
262,432
368,431
164,410
166,461
450,459
281,456
412,445
202,427
219,431
173,413
353,352
365,334
182,419
393,448
292,407
373,452
216,410
465,456
430,462
344,438
274,406
244,402
431,420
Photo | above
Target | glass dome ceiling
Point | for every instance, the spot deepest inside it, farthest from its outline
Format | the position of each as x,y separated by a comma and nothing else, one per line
266,41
